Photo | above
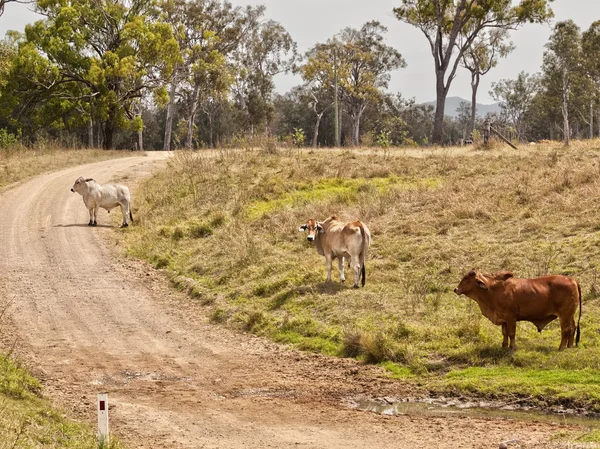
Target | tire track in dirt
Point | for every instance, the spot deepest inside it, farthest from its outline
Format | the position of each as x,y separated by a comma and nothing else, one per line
89,322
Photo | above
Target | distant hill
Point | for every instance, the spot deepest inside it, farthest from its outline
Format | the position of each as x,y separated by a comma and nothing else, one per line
453,102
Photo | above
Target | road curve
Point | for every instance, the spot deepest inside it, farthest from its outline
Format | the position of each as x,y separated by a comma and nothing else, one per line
88,321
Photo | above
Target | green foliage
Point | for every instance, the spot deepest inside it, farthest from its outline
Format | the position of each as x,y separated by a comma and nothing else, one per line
73,67
298,137
383,139
7,139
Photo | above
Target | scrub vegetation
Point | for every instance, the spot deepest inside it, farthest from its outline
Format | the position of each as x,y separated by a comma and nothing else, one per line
224,225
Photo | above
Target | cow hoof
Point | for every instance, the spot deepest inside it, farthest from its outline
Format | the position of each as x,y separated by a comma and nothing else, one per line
355,285
94,224
90,224
124,225
343,280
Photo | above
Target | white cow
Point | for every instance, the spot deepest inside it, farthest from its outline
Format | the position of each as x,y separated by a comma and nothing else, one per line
107,196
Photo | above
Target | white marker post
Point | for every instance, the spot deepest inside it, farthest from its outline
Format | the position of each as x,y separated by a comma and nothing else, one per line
103,420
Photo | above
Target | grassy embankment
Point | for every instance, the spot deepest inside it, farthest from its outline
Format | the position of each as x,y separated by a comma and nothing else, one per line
226,229
27,420
20,163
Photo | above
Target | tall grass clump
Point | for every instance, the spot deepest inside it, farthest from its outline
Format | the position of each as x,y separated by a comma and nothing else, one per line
433,213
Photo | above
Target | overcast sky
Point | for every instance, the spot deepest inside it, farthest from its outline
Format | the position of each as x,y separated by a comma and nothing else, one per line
312,21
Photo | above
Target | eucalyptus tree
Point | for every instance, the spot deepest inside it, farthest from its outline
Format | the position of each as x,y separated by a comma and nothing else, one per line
264,51
451,27
516,98
364,65
318,75
108,53
590,45
564,60
208,31
480,58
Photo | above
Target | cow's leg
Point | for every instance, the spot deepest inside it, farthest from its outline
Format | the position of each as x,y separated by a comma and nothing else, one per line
504,335
341,267
96,209
511,330
91,211
355,264
328,260
566,332
125,212
572,334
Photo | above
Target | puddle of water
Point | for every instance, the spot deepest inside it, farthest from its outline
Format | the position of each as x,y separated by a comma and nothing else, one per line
441,408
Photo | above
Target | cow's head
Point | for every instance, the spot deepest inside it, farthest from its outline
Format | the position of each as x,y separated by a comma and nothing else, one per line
79,184
475,281
313,228
472,281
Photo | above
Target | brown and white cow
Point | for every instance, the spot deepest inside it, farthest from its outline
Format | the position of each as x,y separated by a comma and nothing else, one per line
337,239
504,300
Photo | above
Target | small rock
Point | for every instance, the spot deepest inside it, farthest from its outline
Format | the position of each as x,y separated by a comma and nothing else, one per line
503,446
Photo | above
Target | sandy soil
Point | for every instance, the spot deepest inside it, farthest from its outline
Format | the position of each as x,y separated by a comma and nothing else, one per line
88,321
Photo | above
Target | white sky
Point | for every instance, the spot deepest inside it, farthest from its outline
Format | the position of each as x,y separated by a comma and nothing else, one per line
312,21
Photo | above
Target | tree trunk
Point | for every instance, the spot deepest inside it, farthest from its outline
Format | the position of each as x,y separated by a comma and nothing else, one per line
474,87
438,124
355,116
141,139
316,131
565,108
210,129
170,113
192,117
591,119
109,131
91,133
340,128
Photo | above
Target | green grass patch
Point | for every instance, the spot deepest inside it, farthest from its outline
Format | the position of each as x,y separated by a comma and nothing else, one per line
332,189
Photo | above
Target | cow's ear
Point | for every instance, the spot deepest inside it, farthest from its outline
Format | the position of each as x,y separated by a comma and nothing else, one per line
481,284
302,228
319,227
506,275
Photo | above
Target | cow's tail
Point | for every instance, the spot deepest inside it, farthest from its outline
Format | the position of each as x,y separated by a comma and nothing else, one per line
130,214
363,254
578,329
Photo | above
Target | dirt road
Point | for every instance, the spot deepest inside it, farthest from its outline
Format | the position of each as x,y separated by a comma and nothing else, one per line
89,322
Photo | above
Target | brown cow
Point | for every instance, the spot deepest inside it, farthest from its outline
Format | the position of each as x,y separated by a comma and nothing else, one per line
336,239
504,300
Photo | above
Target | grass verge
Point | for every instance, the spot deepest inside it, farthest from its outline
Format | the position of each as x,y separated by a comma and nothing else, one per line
225,228
21,163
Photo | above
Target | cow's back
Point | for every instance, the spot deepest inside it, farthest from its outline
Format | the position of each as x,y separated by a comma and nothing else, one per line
548,295
114,194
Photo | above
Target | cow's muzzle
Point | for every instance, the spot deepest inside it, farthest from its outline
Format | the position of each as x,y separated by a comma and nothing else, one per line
310,238
72,190
457,292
